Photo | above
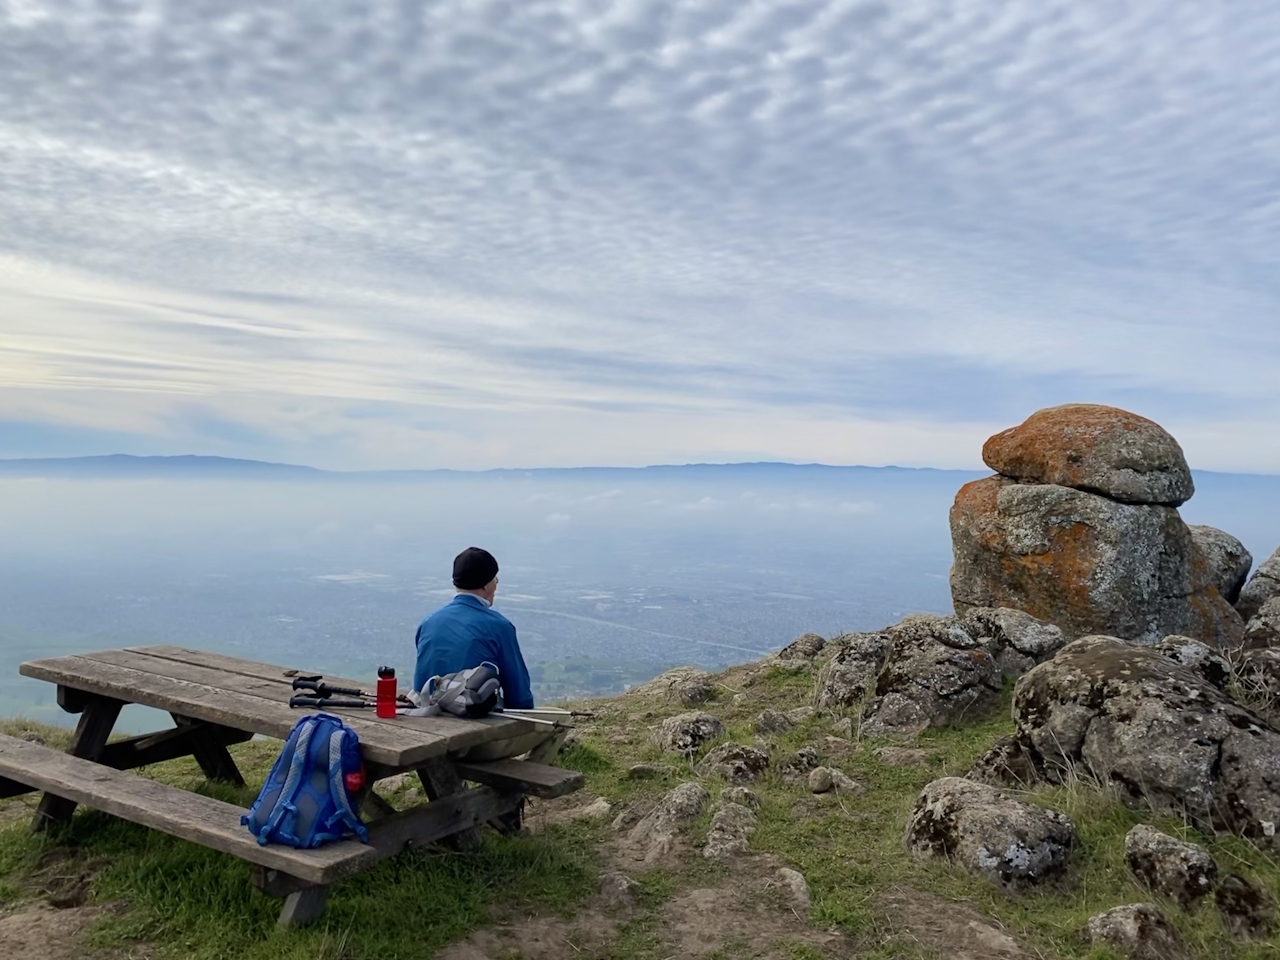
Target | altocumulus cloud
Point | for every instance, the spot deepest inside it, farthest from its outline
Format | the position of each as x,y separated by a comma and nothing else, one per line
570,231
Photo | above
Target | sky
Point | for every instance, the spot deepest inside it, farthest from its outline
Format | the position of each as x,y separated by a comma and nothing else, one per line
477,234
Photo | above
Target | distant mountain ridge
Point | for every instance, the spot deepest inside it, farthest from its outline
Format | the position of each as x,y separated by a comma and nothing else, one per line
121,465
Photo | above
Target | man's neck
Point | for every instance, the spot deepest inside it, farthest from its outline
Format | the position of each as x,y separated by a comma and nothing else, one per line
479,596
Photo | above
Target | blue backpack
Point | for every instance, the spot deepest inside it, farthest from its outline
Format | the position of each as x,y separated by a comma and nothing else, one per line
304,801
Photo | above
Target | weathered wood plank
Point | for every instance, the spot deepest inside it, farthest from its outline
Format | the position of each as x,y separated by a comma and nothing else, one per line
521,776
92,731
440,780
191,816
460,733
212,756
383,743
455,815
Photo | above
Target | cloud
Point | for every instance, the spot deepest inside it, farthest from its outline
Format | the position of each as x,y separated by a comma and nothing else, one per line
429,235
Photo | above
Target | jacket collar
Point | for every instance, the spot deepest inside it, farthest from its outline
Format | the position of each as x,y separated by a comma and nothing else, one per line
471,600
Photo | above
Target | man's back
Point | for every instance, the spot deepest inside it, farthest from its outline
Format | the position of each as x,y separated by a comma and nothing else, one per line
465,633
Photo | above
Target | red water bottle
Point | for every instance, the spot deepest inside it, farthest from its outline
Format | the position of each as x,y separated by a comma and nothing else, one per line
386,692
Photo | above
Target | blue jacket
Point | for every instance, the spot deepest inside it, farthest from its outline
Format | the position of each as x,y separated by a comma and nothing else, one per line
463,634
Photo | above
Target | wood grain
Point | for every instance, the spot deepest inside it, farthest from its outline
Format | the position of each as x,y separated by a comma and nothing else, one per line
521,776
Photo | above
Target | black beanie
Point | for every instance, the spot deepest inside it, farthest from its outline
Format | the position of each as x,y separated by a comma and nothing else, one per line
473,568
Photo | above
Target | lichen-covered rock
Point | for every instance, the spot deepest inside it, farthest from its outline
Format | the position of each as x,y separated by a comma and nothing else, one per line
1199,657
648,771
797,766
797,888
1138,931
618,890
686,732
655,834
1264,626
1021,641
827,779
1246,908
730,832
935,673
736,762
850,675
1091,447
804,647
1165,738
1085,563
771,721
741,796
1014,845
1006,764
1262,586
689,686
1184,872
1229,561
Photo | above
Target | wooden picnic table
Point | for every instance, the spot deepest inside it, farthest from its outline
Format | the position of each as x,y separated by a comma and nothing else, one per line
216,701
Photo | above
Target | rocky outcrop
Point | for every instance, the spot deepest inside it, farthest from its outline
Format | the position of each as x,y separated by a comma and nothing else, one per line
1079,528
936,672
655,835
1014,845
688,686
1138,931
850,675
1262,586
734,762
1258,672
1229,561
1021,641
1164,737
686,732
1104,450
804,647
1006,764
731,829
1181,871
772,721
1264,627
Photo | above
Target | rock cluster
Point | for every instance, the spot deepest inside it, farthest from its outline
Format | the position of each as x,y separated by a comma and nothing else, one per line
655,835
735,762
1014,845
1080,528
1183,872
730,833
1166,738
686,732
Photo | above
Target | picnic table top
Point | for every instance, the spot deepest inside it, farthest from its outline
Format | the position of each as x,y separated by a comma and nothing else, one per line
252,696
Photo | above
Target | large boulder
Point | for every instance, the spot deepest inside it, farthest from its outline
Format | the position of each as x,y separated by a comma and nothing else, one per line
1200,657
1262,586
935,673
1161,734
1014,845
1229,561
1181,871
1087,563
1100,449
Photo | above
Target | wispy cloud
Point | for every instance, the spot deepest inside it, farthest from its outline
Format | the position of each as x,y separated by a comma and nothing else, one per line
480,233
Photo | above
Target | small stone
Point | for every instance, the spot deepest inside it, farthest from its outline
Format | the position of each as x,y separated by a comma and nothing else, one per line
618,890
771,721
843,783
598,809
627,818
1184,872
798,766
1138,931
804,647
800,714
797,887
648,771
820,780
741,796
1247,909
843,728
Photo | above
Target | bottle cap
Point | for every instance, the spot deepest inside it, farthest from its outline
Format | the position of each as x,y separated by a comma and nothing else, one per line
386,673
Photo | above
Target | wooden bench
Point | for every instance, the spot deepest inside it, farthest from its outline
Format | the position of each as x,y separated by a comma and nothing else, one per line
301,877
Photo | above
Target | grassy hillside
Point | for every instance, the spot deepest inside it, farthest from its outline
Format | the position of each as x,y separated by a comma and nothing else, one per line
535,896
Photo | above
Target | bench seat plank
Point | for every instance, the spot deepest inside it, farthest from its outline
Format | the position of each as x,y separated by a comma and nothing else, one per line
382,743
521,776
191,816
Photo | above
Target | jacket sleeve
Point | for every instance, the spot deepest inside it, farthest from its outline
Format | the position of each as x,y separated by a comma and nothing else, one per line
517,692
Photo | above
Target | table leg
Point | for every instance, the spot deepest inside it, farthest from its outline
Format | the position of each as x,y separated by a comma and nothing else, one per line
97,719
215,760
303,906
440,779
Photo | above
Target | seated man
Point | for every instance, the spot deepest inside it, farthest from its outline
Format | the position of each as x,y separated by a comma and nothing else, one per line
468,631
